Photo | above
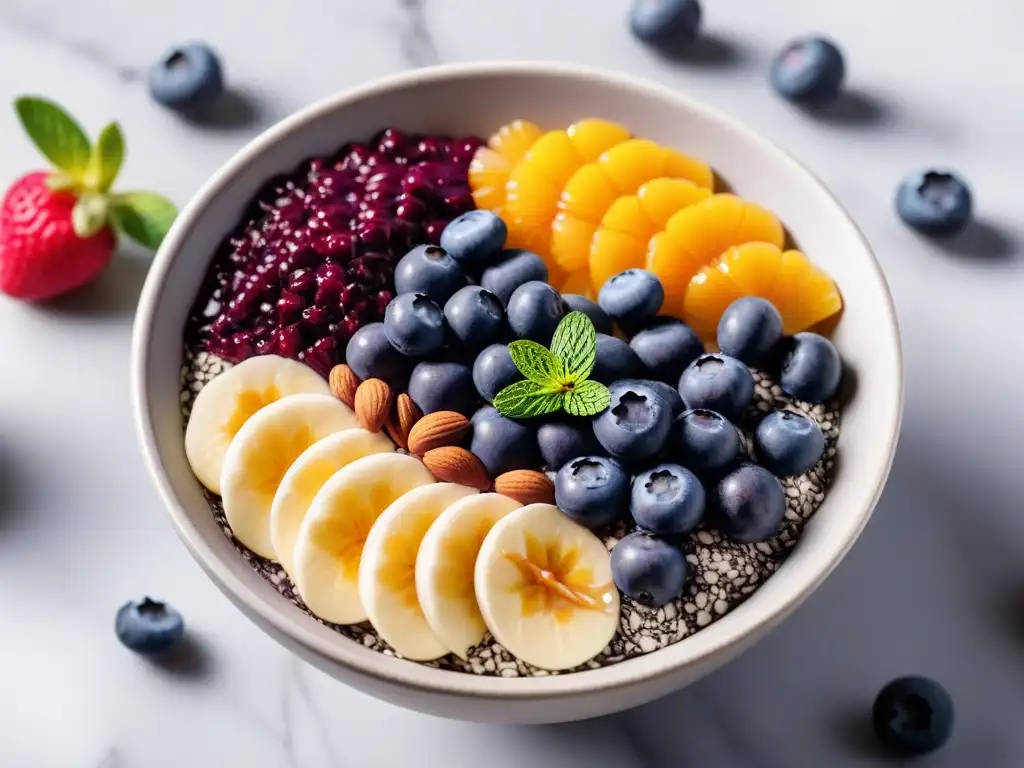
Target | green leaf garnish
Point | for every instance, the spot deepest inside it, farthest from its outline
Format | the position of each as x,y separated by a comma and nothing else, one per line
144,216
90,214
536,363
55,133
575,343
527,398
586,398
106,159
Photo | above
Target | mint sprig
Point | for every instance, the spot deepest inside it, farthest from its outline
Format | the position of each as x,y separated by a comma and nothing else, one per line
556,378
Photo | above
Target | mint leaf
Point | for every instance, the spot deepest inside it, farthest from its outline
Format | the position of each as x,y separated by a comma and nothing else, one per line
106,159
575,344
90,214
527,398
536,363
55,133
587,398
144,216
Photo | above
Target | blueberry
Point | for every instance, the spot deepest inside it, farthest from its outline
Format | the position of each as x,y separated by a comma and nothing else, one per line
636,423
514,268
808,71
666,347
811,368
667,500
414,324
443,386
708,442
560,441
667,393
592,490
148,626
370,356
503,444
475,317
632,298
474,237
749,329
717,383
647,569
494,370
788,443
913,715
430,270
670,25
934,202
749,503
534,311
614,360
187,78
576,303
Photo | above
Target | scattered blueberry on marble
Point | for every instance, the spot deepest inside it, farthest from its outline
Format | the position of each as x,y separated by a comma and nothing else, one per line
514,267
788,443
592,490
708,442
749,329
809,71
667,24
576,303
443,386
148,626
534,311
749,503
665,391
614,360
370,356
187,77
503,444
648,569
560,441
667,500
666,347
635,424
811,367
913,715
493,370
475,318
934,202
414,324
430,270
717,383
474,237
632,298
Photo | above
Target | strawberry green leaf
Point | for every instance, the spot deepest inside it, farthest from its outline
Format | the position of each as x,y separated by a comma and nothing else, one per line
144,216
61,182
527,398
55,133
587,398
106,159
575,344
537,364
90,214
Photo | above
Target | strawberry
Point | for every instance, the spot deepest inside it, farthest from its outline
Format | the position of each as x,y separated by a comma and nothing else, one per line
57,228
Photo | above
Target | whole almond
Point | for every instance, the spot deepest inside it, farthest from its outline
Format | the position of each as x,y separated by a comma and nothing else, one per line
452,464
403,416
344,383
527,486
373,404
437,430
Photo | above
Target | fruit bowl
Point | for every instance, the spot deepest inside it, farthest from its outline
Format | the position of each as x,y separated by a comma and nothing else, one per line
866,336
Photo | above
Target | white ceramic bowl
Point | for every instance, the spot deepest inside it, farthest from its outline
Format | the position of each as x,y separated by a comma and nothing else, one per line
477,98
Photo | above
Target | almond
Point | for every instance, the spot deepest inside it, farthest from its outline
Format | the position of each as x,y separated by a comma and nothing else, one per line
344,383
527,486
437,430
403,416
373,404
451,464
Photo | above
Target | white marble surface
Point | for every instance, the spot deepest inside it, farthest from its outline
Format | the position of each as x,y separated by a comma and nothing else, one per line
936,584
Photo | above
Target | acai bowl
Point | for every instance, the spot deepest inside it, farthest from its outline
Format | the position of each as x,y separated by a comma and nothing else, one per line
406,393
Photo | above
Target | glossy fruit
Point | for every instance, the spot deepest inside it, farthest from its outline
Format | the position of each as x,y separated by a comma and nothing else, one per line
934,202
665,348
708,442
511,269
668,393
648,569
811,368
577,303
474,239
592,490
430,270
534,311
614,360
717,383
667,500
475,318
788,443
632,298
809,71
491,165
636,423
749,329
803,294
670,25
371,356
913,715
187,77
148,626
698,234
501,443
493,370
414,324
560,441
749,503
442,386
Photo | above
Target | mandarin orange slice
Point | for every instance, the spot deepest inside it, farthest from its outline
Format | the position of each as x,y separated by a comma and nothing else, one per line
803,293
491,165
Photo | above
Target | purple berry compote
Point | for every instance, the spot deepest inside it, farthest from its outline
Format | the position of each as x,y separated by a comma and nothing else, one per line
313,259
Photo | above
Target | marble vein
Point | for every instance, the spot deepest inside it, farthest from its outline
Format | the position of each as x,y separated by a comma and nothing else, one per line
416,39
296,695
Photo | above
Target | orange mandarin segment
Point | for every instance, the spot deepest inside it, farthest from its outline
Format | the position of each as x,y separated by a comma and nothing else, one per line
577,282
661,198
710,293
680,166
587,194
488,173
513,140
806,294
631,163
591,137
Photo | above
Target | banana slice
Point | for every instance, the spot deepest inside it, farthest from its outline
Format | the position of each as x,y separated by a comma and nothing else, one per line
306,476
387,573
545,589
261,453
444,569
331,538
226,403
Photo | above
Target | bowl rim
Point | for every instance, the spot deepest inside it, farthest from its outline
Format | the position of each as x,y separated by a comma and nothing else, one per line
757,617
